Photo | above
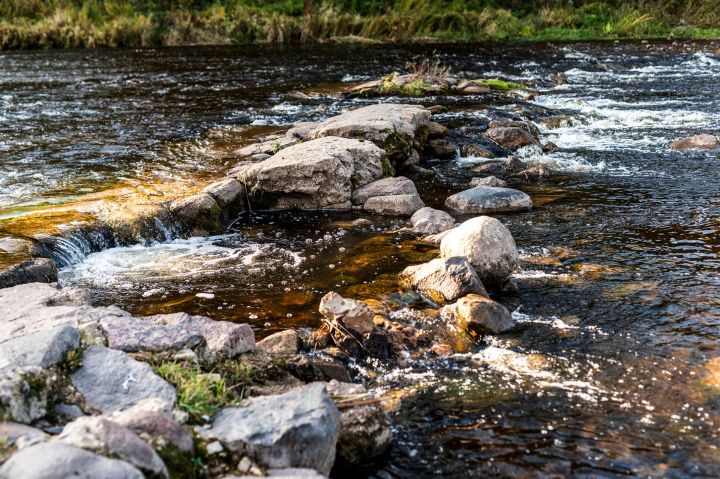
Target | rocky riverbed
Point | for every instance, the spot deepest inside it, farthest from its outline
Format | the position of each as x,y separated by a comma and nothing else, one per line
156,388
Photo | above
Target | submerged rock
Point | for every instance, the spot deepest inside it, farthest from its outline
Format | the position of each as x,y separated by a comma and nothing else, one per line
511,138
476,151
17,269
487,244
488,181
295,429
318,174
488,199
394,205
355,316
479,315
698,142
430,221
444,279
398,185
111,380
55,460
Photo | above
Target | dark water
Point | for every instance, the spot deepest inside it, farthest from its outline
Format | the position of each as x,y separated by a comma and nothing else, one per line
613,370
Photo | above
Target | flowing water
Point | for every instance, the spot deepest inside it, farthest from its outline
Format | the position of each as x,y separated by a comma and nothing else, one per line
614,370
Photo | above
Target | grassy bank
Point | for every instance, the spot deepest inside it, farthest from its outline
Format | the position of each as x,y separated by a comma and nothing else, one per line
95,23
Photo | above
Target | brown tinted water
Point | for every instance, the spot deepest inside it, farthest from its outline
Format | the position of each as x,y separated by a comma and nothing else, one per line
613,371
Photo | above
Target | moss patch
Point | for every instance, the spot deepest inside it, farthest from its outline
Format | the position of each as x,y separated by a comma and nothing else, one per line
500,85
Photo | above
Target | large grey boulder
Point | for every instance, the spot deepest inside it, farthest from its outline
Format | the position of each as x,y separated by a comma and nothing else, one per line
375,122
55,460
111,380
488,199
487,244
295,429
698,142
355,316
444,279
318,174
394,205
110,439
398,185
478,315
17,269
430,221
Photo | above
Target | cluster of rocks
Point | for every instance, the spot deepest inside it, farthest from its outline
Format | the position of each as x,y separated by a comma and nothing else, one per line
418,84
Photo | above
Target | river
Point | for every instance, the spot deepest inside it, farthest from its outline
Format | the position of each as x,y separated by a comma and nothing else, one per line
614,370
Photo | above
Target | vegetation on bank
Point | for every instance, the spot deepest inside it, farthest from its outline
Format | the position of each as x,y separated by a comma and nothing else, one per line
95,23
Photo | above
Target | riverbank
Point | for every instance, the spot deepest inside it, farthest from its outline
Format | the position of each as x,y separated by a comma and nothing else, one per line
86,23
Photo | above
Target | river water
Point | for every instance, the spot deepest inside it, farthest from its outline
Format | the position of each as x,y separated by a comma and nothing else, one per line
613,370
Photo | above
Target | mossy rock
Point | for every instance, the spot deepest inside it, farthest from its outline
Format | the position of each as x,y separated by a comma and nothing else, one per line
500,85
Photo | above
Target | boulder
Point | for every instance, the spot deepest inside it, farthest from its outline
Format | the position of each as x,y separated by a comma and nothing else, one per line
283,343
266,146
430,221
317,174
525,125
17,269
199,214
364,434
398,185
443,148
444,279
489,168
476,151
295,429
478,315
55,460
107,438
228,193
697,142
395,205
18,435
487,244
488,181
355,316
111,380
156,426
436,130
301,130
511,138
488,199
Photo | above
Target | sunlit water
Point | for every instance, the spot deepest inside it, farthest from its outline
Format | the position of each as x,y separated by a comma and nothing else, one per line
610,372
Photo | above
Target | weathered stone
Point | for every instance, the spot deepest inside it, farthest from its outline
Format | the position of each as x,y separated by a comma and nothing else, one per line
354,316
55,460
697,142
488,181
267,146
17,435
111,380
23,394
437,238
479,315
375,122
134,334
525,125
430,221
444,279
511,138
487,244
110,439
309,370
398,185
228,192
295,429
488,199
489,168
199,214
394,205
364,434
155,425
476,151
318,174
284,343
302,130
17,269
443,148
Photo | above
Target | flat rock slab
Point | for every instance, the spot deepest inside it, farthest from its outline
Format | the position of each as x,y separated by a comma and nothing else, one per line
111,380
444,279
394,205
398,185
488,199
54,460
295,429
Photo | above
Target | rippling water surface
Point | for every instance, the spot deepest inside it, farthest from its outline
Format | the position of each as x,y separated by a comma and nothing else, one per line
613,371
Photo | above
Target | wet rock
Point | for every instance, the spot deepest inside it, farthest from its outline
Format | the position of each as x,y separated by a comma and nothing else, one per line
442,148
444,279
395,205
317,174
111,380
511,138
283,343
295,429
697,142
536,171
364,434
489,168
488,199
525,125
435,109
555,122
487,244
199,214
22,246
398,185
430,221
550,147
361,222
476,151
436,130
514,164
157,427
55,460
355,316
25,270
309,370
442,349
479,315
487,181
267,146
107,438
229,195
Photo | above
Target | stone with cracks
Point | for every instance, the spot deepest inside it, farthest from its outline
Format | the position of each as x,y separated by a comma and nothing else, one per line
394,205
488,245
353,315
479,315
430,221
398,185
489,199
295,429
444,279
317,174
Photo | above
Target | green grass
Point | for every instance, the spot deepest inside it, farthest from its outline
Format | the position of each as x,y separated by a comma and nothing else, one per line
96,23
198,393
